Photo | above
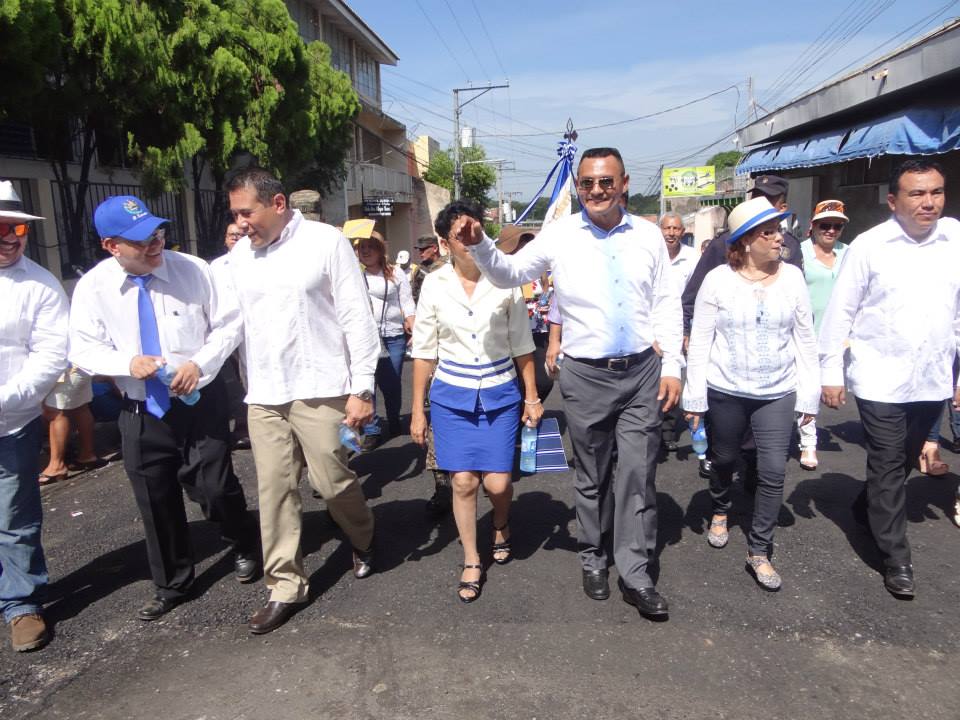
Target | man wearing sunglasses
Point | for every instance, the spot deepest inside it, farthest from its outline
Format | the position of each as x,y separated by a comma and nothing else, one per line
33,324
614,287
896,303
142,311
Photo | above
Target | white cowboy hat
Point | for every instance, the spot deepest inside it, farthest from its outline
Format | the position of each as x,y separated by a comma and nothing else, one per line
11,207
750,214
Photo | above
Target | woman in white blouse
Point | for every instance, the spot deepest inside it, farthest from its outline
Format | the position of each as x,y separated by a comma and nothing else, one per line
394,310
470,336
752,359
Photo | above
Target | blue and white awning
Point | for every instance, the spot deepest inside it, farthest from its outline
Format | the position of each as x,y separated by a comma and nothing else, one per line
915,131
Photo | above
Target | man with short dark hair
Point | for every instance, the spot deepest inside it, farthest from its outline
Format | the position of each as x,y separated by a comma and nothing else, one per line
311,347
614,287
33,318
430,259
145,311
896,301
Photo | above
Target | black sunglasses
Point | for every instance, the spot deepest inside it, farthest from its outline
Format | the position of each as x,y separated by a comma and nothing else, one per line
825,226
605,183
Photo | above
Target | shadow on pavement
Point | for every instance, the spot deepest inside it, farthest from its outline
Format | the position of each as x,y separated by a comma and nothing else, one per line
387,464
832,495
101,577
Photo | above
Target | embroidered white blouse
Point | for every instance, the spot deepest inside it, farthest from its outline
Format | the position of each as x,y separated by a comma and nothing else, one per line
752,340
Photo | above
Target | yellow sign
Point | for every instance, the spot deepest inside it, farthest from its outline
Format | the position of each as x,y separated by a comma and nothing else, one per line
689,181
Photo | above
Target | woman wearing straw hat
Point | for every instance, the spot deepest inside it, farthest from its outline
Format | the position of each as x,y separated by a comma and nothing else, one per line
822,253
752,360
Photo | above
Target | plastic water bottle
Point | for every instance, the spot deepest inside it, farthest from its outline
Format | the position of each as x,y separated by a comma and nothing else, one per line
699,438
166,375
349,438
528,449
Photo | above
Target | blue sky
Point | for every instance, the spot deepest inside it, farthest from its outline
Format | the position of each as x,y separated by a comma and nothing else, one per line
612,61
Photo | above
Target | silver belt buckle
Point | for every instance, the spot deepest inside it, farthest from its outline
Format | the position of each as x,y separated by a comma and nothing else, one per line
618,363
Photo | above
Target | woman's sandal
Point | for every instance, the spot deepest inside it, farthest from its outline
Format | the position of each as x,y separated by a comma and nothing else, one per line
720,538
502,552
769,581
45,479
932,464
808,458
472,586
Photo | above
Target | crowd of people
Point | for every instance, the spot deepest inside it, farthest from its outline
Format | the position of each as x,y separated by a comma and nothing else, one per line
643,335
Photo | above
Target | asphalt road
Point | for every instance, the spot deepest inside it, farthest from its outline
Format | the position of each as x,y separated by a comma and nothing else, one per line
832,644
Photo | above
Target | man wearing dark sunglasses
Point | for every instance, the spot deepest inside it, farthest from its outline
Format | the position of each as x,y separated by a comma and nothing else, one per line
613,284
33,324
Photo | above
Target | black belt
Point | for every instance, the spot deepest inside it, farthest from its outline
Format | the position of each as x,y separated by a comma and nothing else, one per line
614,363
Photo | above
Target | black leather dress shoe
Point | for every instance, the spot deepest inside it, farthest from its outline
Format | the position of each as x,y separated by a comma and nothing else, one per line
898,580
706,468
648,601
595,584
271,616
363,563
671,445
158,607
245,566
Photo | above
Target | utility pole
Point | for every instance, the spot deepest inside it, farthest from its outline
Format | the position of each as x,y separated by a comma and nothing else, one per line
457,106
499,163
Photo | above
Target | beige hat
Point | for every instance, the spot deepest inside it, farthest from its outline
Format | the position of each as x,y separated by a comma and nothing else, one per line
829,209
510,237
11,206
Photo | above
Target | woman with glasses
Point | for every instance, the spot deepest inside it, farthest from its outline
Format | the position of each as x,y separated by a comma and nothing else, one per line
752,360
822,252
393,309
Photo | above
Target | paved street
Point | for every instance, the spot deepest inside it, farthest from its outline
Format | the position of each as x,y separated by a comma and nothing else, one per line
831,644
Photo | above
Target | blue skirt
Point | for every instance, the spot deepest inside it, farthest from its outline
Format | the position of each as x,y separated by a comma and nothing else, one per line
476,441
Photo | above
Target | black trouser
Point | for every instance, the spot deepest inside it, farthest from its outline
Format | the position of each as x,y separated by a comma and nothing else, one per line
188,448
772,424
894,433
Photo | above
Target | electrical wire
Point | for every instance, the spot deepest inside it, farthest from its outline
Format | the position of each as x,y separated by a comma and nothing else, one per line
444,42
493,46
466,38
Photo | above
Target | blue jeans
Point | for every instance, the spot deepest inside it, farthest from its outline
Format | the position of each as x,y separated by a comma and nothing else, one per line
388,374
23,569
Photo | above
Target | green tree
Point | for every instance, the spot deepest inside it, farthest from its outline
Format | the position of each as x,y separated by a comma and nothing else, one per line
726,159
174,83
476,180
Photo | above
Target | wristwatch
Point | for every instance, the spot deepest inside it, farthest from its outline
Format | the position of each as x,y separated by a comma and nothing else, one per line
364,395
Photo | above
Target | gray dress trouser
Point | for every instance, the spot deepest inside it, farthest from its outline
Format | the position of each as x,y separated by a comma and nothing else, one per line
606,408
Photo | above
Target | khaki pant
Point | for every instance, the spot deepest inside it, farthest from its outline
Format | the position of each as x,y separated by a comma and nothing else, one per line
282,438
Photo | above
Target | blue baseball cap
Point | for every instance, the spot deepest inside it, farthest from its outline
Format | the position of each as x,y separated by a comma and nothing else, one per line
127,217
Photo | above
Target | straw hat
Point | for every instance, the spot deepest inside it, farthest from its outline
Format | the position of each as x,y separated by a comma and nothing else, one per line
751,214
510,237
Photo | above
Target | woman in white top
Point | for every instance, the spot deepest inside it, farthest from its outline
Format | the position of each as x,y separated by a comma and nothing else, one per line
394,310
472,334
752,359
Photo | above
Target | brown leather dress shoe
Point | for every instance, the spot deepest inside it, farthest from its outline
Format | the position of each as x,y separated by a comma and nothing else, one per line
28,632
271,616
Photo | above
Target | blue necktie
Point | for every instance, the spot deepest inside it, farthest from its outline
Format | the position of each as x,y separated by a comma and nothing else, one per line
158,397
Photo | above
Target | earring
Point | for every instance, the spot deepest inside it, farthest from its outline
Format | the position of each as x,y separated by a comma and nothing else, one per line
746,248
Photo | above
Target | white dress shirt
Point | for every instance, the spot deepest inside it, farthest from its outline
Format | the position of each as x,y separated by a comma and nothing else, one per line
399,301
195,322
752,340
33,341
683,265
474,338
615,289
307,327
897,301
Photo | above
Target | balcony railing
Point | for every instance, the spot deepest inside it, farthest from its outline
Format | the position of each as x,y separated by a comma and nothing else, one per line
379,180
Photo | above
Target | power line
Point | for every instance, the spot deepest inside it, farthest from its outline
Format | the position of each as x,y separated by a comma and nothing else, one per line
443,42
638,118
489,39
466,38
